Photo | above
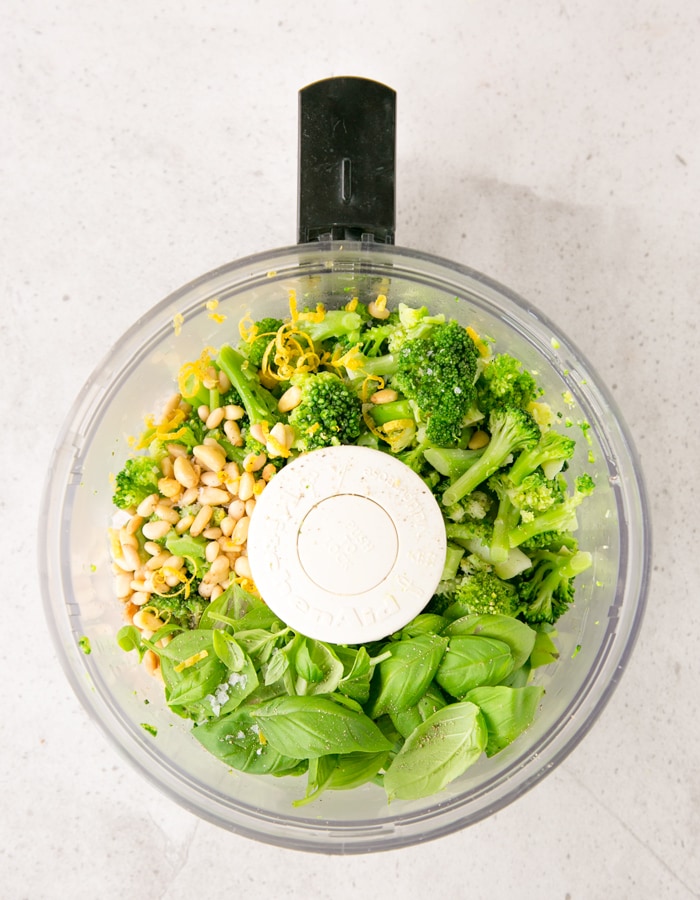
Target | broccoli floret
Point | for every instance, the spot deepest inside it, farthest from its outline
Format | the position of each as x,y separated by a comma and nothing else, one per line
551,452
503,382
136,481
484,593
183,606
336,325
262,334
437,372
474,506
259,403
413,322
374,340
511,430
329,413
547,590
535,493
558,518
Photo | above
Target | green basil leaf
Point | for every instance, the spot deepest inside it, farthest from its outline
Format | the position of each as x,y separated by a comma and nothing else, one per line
236,688
545,650
186,645
441,749
408,720
425,623
320,772
235,739
129,638
507,712
228,650
187,688
471,661
218,607
354,769
357,672
518,635
402,679
277,666
318,669
316,726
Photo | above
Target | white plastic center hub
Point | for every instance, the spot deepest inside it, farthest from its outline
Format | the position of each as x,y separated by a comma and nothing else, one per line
347,544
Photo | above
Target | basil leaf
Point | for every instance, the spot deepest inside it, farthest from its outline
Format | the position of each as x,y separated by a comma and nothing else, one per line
186,645
471,661
545,650
315,726
402,679
189,687
519,636
218,607
425,623
407,721
235,740
317,667
441,749
129,638
320,772
228,651
236,688
354,769
357,672
507,712
277,666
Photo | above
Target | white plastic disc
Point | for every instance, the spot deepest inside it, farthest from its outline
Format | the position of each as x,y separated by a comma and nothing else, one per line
346,544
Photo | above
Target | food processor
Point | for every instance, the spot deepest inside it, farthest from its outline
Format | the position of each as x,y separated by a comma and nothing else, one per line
346,248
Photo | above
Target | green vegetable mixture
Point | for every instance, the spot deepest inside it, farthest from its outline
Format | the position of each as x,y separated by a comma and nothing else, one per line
413,711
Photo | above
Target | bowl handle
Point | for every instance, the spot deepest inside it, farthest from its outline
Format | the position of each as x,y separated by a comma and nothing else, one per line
347,151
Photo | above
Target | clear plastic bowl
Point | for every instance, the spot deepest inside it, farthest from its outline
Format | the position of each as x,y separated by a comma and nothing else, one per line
595,637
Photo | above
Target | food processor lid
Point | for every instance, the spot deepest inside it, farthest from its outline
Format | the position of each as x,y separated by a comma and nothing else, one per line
347,544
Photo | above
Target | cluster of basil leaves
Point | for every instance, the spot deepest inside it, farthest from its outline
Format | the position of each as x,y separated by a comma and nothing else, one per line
412,712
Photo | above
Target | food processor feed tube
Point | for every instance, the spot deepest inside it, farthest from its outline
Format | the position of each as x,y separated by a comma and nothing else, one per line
335,539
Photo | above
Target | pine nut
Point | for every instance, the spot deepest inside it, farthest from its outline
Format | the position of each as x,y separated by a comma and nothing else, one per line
386,395
174,562
250,506
140,598
378,310
152,548
233,412
213,496
151,662
184,472
203,412
215,418
268,471
256,431
166,466
211,479
177,450
212,551
231,470
246,488
290,399
219,570
184,524
155,531
212,534
236,509
155,563
240,532
478,440
122,585
217,591
227,525
167,513
211,456
233,432
146,506
242,567
201,520
189,497
279,433
130,560
133,525
147,619
211,378
129,610
169,487
254,462
171,405
224,382
205,589
126,539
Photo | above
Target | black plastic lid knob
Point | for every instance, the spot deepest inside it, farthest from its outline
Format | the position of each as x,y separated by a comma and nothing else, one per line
347,159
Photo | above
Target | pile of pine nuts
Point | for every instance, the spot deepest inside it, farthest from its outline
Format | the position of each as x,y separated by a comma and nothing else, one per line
195,491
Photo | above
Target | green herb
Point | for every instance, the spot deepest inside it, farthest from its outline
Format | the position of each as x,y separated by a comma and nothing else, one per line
151,729
84,644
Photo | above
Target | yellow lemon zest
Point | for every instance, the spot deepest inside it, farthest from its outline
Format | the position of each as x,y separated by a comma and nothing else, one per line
217,317
212,304
247,328
178,320
192,374
483,348
351,305
191,660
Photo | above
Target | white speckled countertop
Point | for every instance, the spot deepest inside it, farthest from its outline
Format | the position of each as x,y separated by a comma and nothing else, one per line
552,145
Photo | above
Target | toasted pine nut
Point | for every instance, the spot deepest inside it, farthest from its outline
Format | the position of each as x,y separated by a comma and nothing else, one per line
140,598
290,399
246,488
203,412
234,412
151,662
218,571
146,506
233,432
145,618
184,524
215,418
166,466
133,525
155,562
122,585
268,471
189,497
242,567
217,591
169,487
129,610
227,524
212,551
171,405
177,450
126,539
214,496
256,431
236,509
240,532
224,382
386,395
152,548
377,309
167,513
174,562
154,531
211,456
201,520
279,433
211,479
250,506
212,534
478,440
254,462
184,472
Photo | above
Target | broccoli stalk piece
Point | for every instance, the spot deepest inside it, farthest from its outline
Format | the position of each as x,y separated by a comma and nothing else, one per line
451,461
559,518
136,481
336,324
503,382
437,372
547,590
260,405
511,430
507,517
329,412
551,452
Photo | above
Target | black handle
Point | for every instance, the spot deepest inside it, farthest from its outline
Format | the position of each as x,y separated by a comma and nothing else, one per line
347,157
